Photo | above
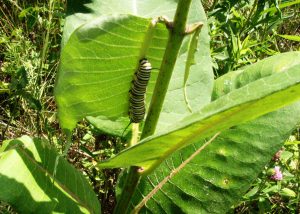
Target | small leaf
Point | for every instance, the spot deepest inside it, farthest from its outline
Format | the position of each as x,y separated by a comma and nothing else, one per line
31,100
252,192
19,80
295,142
272,189
291,37
281,6
287,192
4,87
286,155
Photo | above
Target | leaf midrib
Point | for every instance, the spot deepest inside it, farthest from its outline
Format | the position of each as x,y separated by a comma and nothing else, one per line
67,190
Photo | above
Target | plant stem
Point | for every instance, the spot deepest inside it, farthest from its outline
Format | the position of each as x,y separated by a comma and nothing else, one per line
176,36
45,47
135,134
132,180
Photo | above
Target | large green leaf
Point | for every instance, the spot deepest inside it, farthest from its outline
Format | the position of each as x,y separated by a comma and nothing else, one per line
100,58
219,176
97,66
80,12
243,104
26,178
267,67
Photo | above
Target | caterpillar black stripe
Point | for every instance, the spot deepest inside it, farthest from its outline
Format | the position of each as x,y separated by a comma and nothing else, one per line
137,92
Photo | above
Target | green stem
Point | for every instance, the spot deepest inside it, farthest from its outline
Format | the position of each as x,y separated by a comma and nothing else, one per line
45,46
65,152
176,36
135,134
132,180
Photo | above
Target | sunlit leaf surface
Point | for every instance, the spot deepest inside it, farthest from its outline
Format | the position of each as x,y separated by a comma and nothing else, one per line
27,182
245,103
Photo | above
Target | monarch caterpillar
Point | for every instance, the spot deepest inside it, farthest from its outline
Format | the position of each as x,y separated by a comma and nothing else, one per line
137,92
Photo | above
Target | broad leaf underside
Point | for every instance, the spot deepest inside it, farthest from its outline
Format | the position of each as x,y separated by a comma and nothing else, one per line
99,60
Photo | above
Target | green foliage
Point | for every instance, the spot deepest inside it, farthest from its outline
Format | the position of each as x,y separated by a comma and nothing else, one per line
149,154
24,45
182,171
291,37
36,186
218,177
229,110
245,31
18,86
83,97
269,195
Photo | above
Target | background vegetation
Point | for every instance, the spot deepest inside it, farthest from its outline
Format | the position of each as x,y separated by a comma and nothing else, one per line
242,32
